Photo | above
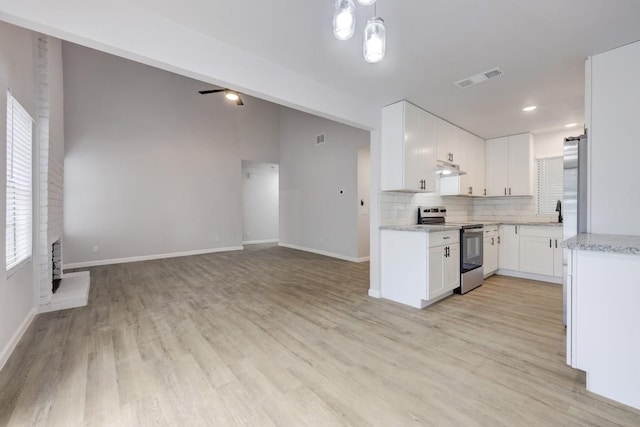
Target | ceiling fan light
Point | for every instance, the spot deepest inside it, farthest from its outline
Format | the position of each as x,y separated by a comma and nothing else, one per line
366,2
375,44
344,19
231,95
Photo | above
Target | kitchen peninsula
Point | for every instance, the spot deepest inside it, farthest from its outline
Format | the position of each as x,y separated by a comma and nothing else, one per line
603,279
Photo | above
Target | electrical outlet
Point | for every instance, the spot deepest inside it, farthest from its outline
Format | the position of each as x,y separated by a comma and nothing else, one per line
95,249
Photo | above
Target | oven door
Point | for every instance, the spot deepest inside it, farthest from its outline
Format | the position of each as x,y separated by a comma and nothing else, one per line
471,249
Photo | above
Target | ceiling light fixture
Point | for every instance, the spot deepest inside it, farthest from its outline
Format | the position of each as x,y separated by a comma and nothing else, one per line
344,19
571,125
231,95
529,108
374,45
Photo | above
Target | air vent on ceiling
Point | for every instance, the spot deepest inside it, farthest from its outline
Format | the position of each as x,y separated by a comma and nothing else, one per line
479,78
320,139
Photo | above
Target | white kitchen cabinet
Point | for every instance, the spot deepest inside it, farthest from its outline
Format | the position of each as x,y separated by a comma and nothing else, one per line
557,257
419,268
444,269
509,248
509,166
449,144
470,157
408,149
536,255
490,249
538,251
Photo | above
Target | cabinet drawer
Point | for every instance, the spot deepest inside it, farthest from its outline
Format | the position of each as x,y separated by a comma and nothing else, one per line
490,231
444,238
541,231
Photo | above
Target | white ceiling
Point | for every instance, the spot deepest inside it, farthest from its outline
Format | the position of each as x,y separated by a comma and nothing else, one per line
540,45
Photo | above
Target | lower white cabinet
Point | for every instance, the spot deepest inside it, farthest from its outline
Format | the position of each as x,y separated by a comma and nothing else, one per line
540,250
557,257
490,249
419,268
444,269
509,248
536,255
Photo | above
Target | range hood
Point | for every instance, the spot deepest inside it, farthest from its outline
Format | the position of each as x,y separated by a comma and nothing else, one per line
446,169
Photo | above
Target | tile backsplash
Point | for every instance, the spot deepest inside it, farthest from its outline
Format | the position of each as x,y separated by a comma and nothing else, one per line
518,209
402,208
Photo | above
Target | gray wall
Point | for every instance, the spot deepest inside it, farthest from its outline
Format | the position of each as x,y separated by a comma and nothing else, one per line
151,166
17,68
313,213
364,195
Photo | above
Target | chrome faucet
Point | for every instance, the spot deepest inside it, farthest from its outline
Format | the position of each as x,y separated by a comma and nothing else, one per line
559,210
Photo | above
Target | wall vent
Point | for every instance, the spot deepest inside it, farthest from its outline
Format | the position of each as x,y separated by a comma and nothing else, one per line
320,139
479,78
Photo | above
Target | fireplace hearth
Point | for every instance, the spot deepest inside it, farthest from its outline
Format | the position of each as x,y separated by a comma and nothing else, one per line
56,265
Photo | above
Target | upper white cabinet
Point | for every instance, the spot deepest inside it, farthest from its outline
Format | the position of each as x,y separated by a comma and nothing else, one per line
408,149
449,142
468,151
509,166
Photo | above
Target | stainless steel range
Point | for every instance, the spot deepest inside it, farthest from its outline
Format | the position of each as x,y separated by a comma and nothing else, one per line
471,240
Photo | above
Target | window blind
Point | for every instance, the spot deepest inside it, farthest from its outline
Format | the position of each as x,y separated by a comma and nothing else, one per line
19,184
550,186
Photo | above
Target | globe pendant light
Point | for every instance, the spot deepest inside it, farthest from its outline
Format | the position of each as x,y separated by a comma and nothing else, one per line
374,40
366,2
344,19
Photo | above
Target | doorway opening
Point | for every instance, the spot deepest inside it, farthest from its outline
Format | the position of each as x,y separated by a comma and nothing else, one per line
260,202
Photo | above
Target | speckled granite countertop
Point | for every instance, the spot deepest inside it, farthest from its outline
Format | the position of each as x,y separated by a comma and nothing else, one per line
532,224
436,228
421,228
612,243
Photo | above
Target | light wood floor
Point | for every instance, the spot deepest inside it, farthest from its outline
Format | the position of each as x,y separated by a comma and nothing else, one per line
273,336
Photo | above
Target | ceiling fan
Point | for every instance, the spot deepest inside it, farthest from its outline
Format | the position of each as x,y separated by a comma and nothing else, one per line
231,95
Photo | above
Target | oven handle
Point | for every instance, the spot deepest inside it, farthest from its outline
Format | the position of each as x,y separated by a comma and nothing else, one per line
473,230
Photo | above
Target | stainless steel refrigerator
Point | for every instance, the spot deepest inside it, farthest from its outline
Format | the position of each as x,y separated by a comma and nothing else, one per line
575,200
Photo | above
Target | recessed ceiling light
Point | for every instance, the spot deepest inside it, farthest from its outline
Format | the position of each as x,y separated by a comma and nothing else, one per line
529,108
571,125
231,96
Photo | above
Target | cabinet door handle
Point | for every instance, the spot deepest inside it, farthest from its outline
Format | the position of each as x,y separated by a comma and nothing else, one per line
505,191
498,239
446,237
485,191
556,243
516,227
549,242
492,241
470,190
509,190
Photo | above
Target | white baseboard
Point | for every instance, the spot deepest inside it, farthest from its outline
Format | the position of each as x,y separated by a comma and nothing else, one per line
530,276
73,292
15,339
148,257
374,293
325,253
255,242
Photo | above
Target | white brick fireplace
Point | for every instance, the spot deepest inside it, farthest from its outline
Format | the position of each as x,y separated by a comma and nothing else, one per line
74,287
